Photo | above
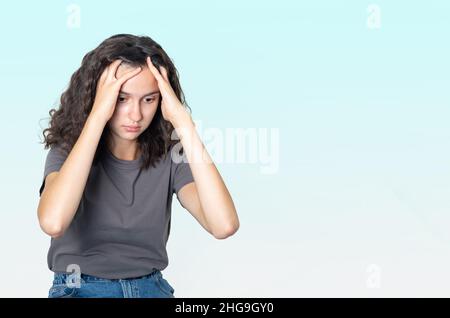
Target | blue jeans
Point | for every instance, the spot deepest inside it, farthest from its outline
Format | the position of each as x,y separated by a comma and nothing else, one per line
150,286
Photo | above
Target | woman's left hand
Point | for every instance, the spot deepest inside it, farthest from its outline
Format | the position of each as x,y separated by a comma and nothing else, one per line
171,107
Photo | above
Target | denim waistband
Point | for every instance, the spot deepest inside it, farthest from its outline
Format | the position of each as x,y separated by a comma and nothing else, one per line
61,277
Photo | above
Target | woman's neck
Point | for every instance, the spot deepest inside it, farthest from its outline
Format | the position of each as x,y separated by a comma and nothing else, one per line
125,150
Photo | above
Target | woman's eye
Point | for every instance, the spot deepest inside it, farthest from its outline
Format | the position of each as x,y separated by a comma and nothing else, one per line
121,99
149,100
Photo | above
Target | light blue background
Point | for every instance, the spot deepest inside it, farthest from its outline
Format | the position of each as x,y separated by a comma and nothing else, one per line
362,193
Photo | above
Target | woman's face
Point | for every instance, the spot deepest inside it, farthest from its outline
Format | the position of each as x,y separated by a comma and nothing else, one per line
136,105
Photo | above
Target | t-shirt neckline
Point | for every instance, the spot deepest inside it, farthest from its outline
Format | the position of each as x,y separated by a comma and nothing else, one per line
123,164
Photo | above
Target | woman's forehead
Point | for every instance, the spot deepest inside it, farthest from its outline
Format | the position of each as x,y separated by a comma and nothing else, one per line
139,84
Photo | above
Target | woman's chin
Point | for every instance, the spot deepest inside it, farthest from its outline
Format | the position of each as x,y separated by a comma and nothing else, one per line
129,137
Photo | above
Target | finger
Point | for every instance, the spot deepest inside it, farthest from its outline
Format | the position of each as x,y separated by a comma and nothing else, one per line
164,73
125,77
102,78
113,69
153,69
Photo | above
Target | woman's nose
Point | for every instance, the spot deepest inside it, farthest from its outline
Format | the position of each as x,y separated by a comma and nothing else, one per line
135,112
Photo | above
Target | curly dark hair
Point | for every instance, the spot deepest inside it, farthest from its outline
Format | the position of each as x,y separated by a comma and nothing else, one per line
67,122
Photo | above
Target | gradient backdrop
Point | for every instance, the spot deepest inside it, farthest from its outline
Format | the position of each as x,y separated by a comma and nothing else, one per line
354,93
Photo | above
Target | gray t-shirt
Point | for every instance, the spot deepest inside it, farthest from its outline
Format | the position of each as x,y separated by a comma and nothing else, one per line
122,224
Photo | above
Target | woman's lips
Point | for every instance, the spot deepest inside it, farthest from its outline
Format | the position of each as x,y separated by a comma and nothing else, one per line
132,128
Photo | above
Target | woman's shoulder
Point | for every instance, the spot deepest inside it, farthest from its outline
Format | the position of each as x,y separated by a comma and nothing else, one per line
57,150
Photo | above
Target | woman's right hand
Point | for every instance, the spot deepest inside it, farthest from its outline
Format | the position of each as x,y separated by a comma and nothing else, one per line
108,88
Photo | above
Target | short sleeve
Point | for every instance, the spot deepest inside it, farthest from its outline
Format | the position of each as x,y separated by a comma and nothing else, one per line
55,159
182,174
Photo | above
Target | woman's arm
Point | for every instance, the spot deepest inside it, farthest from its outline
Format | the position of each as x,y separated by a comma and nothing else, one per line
61,197
207,199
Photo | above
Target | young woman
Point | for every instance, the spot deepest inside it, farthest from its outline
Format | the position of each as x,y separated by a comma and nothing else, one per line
121,144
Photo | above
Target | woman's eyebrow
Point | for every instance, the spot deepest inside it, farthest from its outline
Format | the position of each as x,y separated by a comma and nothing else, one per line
150,93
